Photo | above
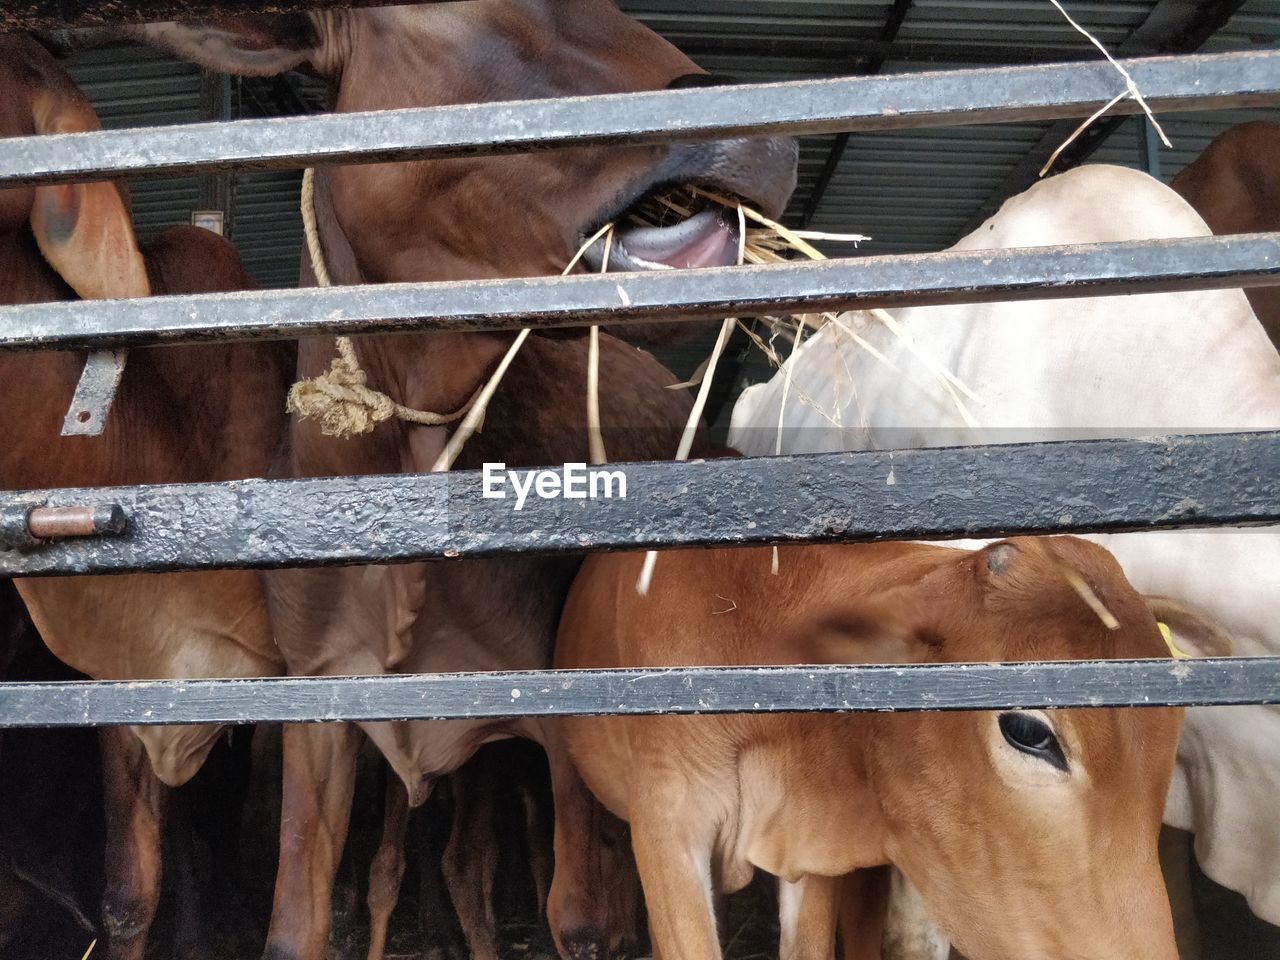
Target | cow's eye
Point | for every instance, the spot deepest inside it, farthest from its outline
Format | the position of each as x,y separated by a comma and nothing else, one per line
1032,736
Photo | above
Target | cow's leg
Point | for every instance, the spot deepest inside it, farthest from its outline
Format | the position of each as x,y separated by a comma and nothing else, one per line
1176,856
135,800
470,861
538,830
673,852
191,884
864,903
808,909
594,895
388,865
319,781
910,933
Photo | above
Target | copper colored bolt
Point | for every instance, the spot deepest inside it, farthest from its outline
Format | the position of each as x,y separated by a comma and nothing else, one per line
53,523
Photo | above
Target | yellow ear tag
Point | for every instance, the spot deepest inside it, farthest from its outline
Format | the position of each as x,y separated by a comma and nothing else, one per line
1168,642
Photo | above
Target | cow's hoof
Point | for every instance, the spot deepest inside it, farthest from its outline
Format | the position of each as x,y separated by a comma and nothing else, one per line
585,943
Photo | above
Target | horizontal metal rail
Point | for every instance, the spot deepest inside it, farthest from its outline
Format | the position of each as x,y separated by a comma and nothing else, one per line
943,98
677,690
959,276
1214,480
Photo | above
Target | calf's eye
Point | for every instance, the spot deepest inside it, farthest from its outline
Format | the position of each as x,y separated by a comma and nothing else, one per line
1034,737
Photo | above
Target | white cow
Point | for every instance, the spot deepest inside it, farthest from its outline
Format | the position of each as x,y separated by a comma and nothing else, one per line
1097,367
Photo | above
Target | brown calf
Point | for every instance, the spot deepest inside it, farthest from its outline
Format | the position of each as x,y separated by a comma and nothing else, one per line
1234,186
182,414
1031,835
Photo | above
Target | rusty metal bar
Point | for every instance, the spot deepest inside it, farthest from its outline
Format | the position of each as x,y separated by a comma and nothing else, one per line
961,276
942,98
1157,482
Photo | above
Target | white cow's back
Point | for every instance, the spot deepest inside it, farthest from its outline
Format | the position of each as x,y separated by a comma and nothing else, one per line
1116,366
1045,369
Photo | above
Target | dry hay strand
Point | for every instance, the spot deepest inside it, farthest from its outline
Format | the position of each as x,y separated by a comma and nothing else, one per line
1130,91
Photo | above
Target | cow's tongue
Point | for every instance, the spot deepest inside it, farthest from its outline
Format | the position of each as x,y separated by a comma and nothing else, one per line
706,239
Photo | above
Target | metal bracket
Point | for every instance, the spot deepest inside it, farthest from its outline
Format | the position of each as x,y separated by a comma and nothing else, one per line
87,415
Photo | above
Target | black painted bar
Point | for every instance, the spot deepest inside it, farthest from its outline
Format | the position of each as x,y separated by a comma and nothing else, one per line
960,276
702,690
882,102
1213,480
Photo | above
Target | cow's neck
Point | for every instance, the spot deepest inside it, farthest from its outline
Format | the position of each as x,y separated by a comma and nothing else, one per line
438,372
796,818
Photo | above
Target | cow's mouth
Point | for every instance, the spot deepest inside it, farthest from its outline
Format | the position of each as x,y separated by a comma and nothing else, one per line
668,230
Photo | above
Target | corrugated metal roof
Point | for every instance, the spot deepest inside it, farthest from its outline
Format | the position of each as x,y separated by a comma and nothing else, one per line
910,190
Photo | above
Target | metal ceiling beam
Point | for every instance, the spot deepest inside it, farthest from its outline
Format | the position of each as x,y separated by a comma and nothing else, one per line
905,101
888,33
1173,26
957,276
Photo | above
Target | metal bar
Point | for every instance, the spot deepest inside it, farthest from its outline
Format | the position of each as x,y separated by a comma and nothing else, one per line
957,276
942,98
702,690
1149,146
94,394
1215,480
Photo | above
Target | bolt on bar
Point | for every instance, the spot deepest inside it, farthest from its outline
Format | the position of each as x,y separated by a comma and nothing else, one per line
942,98
667,690
1156,482
959,276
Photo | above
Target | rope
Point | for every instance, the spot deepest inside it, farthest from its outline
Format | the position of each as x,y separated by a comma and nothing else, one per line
341,399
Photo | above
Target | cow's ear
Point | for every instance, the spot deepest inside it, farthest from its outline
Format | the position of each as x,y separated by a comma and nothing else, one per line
1189,632
84,229
251,46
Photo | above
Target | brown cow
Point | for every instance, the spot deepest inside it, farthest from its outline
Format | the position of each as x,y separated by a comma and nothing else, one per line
182,414
457,219
1031,835
1234,187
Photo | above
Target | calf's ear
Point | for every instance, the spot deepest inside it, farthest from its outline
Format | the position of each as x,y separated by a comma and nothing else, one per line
1189,632
251,46
84,229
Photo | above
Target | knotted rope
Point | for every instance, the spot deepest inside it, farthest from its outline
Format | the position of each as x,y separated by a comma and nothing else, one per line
341,398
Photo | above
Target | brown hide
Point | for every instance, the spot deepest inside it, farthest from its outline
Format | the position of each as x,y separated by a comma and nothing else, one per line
181,414
1234,186
520,215
1018,856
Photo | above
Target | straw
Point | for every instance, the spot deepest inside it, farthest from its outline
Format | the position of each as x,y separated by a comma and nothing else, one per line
475,416
1131,91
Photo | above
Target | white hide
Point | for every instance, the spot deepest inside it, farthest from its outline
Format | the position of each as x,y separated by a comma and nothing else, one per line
1097,367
